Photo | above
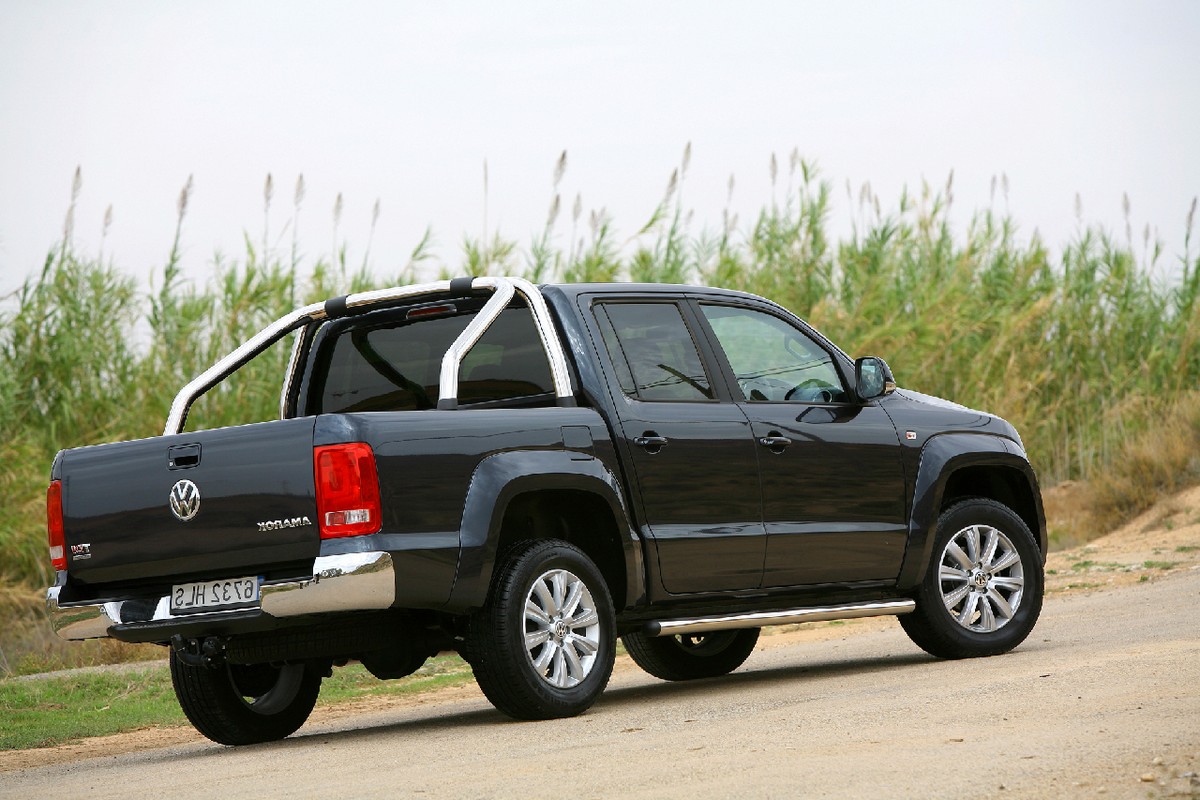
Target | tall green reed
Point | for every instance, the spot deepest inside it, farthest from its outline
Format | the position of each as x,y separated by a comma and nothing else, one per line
1080,350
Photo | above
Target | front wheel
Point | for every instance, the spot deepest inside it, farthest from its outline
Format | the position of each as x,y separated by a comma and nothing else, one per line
543,645
246,703
686,657
982,592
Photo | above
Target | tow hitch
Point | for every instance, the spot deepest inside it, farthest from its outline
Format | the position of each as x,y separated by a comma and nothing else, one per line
207,652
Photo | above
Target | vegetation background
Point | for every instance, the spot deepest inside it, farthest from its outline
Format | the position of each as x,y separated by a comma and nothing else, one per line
1090,349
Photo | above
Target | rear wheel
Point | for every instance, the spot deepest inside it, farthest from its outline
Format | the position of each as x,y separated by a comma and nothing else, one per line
544,644
245,703
982,593
690,656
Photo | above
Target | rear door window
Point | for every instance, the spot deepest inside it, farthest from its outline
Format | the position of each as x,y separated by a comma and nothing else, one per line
653,352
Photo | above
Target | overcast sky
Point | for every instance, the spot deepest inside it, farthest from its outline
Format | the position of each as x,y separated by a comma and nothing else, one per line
404,102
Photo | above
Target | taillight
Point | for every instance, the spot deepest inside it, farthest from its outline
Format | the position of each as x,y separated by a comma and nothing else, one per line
347,490
54,525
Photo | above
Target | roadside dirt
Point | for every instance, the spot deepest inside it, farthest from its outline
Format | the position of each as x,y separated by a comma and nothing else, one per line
1164,539
1119,630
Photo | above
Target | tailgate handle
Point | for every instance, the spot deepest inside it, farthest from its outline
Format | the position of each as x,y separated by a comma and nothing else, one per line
183,456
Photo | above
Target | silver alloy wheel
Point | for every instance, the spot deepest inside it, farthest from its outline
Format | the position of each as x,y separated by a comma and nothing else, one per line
562,628
982,578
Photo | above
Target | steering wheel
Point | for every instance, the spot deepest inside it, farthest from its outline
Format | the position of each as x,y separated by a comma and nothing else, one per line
816,391
759,388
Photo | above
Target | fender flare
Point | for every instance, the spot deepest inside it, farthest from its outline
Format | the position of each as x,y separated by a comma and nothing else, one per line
500,478
941,457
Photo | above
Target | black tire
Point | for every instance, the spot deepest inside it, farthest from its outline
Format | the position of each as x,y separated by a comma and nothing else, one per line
979,603
690,656
246,704
577,644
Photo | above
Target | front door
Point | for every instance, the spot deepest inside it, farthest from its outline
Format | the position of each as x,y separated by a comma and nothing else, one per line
832,481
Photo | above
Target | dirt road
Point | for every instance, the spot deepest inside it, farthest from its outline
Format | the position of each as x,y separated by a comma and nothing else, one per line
1103,700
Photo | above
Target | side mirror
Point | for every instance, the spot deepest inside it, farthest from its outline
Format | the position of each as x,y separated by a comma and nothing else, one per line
872,378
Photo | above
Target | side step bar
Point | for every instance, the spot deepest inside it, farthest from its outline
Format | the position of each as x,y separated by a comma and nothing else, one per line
761,619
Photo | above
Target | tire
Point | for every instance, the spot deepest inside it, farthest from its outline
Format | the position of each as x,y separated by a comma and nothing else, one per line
690,656
246,704
554,659
982,592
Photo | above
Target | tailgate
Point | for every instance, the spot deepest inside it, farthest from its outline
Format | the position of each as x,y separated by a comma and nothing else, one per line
226,502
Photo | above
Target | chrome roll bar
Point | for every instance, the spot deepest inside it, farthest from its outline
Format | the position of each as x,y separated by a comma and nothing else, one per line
503,291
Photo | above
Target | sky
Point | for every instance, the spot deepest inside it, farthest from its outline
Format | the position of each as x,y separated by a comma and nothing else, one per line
402,104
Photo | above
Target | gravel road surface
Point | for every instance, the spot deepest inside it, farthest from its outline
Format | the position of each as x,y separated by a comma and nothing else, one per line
1103,700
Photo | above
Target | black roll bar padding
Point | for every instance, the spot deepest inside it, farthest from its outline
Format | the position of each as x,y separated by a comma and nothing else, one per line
336,307
461,286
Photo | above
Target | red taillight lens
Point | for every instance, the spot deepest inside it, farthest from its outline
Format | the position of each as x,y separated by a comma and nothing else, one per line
54,525
347,490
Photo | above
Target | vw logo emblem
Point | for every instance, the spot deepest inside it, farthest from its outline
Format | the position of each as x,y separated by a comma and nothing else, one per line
185,500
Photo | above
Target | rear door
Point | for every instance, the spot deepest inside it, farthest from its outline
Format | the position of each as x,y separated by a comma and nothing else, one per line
833,488
692,454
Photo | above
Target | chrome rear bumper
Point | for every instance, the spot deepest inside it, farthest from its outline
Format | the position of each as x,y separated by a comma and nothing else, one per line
349,582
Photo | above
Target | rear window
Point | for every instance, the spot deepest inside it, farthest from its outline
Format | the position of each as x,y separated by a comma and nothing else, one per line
396,365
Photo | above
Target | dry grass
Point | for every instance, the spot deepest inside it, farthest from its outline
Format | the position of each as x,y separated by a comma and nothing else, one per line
28,644
1162,460
1071,516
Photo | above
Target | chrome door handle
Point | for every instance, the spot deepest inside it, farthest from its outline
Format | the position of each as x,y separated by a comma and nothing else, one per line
652,442
775,443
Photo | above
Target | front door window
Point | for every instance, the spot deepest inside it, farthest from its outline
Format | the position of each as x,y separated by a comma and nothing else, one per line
772,360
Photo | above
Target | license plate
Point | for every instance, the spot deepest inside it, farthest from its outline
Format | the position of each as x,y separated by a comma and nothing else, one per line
190,598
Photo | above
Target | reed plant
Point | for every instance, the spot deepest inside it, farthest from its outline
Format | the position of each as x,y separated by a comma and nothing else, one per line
1085,347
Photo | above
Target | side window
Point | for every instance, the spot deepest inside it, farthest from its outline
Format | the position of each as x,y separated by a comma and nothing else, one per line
653,351
772,360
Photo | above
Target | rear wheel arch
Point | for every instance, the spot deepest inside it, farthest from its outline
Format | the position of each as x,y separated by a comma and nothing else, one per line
523,496
578,517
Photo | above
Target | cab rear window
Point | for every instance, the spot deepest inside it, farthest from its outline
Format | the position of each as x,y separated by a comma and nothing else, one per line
395,365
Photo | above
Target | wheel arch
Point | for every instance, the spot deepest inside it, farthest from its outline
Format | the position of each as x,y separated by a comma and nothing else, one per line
1003,483
531,495
957,466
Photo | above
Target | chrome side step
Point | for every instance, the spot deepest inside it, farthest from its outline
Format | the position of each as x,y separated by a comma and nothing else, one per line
761,619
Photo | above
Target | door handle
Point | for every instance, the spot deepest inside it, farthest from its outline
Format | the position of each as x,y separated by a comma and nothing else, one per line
775,442
651,441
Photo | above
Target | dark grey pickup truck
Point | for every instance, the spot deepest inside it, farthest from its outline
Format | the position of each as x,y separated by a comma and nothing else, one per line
523,474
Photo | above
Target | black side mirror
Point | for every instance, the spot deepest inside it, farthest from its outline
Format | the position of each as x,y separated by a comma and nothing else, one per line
872,378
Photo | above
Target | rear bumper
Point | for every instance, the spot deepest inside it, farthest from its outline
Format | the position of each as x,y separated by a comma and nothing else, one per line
347,582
